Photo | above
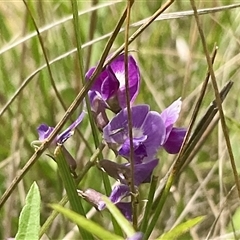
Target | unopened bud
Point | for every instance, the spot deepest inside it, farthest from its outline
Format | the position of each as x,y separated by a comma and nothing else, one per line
93,197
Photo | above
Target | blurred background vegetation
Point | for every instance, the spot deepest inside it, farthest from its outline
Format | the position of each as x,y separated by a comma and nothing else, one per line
172,64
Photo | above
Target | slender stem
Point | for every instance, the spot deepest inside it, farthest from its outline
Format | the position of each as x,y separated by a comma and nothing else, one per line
198,104
218,98
45,56
130,126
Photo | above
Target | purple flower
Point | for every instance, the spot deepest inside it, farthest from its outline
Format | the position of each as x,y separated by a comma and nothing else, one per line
110,84
151,130
149,133
44,131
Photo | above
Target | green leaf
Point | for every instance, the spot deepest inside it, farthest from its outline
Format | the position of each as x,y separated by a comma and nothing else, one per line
29,220
180,229
85,223
122,221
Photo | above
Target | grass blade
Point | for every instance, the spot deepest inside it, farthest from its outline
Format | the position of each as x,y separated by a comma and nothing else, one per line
86,224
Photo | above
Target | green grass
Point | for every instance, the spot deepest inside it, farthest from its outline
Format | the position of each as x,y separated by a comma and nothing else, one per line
172,64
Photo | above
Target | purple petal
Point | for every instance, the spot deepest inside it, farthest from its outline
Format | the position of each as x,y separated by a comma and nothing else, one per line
69,131
138,148
109,87
126,209
133,77
171,114
175,140
117,130
98,81
139,113
143,172
154,128
136,236
92,95
44,131
119,192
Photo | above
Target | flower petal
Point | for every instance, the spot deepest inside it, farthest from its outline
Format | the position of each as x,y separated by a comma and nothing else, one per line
118,68
126,209
109,87
44,131
175,140
119,192
138,148
69,131
170,115
117,129
143,172
154,128
98,81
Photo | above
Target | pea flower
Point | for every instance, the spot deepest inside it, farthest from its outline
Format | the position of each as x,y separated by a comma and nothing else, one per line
110,84
148,133
151,130
44,131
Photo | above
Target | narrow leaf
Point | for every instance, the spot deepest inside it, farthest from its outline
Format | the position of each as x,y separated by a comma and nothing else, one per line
180,229
70,187
29,220
121,220
85,223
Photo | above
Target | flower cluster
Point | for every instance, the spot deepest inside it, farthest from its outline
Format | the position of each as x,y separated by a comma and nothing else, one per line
151,131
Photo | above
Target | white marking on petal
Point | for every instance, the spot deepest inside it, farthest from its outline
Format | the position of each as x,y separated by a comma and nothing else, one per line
121,78
137,132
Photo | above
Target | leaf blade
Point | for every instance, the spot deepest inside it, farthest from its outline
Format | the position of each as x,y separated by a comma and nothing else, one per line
181,228
85,223
29,220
